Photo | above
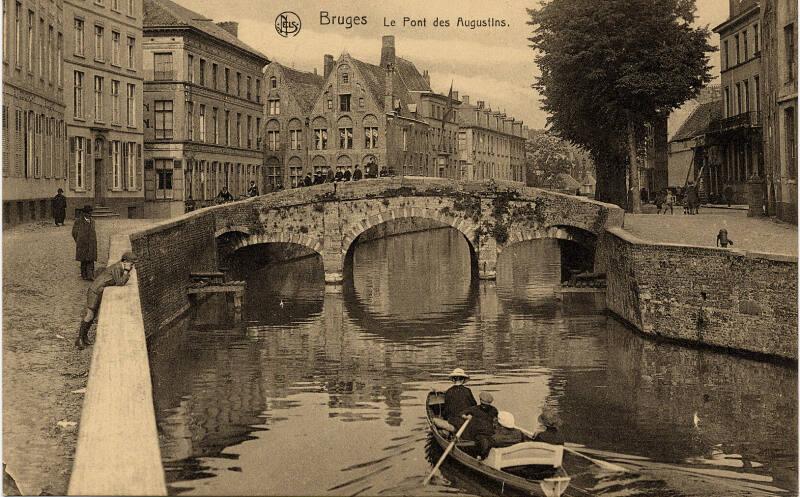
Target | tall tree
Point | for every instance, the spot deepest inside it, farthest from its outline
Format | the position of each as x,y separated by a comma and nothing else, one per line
611,66
547,156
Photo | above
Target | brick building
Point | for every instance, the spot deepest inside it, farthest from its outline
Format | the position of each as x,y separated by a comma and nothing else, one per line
103,72
490,143
779,97
34,134
357,113
737,135
202,109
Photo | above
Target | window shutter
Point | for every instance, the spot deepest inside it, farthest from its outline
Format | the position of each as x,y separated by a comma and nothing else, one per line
88,166
5,141
71,163
20,143
139,167
108,165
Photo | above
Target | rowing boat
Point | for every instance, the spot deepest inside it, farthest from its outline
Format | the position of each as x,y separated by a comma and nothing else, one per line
533,468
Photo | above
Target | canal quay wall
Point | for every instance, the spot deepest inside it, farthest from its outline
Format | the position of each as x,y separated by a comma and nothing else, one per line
731,299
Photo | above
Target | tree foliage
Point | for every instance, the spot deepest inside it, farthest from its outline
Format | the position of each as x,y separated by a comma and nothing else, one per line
547,156
610,66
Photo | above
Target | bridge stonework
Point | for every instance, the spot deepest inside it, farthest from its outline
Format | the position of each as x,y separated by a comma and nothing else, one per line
491,215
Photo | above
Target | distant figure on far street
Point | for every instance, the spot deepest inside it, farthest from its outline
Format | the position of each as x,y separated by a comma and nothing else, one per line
669,200
692,198
722,239
660,199
85,236
114,275
224,195
59,206
357,174
728,194
252,190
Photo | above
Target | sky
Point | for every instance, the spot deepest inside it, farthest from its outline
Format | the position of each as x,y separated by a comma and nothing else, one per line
494,64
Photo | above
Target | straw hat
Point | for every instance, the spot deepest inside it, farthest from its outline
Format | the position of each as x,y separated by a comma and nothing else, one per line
506,419
458,373
549,418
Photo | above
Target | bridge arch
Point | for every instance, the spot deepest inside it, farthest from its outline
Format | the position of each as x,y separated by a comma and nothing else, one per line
466,227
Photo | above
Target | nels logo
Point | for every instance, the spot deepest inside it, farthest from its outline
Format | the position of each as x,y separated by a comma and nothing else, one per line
287,24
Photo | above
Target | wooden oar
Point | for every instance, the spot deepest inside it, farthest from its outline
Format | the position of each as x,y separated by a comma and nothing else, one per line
447,451
603,464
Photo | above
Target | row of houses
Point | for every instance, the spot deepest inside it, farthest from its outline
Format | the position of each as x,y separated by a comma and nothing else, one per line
146,108
739,142
382,117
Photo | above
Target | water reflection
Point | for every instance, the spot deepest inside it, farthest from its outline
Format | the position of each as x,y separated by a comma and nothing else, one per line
325,394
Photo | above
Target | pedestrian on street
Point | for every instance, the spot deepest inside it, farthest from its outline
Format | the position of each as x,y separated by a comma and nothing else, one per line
692,198
59,206
722,239
85,236
660,198
252,191
669,200
116,274
728,194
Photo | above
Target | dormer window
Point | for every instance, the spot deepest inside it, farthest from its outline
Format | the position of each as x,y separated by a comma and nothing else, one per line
273,82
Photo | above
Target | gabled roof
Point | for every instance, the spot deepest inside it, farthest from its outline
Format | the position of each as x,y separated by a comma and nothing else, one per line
305,86
375,79
697,122
167,14
410,76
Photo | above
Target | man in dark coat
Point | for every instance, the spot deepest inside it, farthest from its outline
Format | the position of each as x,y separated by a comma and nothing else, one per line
357,174
59,206
85,236
308,181
457,398
338,176
224,196
114,275
692,198
347,174
551,422
252,190
329,176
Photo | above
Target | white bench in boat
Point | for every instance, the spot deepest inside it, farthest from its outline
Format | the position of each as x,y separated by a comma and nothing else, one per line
525,454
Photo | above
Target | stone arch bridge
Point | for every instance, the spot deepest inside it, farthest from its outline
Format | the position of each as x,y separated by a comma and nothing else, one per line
491,215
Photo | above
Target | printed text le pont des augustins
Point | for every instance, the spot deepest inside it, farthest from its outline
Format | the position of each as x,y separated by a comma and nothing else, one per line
348,22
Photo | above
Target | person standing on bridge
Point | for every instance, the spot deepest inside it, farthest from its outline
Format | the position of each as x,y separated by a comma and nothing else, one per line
114,275
252,191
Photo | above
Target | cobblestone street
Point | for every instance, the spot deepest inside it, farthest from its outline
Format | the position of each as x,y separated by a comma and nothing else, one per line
748,233
43,372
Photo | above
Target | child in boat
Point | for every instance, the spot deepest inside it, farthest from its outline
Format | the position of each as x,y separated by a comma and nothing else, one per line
551,422
481,428
457,398
506,432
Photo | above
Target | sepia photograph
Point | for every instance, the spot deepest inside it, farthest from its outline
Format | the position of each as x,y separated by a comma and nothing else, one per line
401,248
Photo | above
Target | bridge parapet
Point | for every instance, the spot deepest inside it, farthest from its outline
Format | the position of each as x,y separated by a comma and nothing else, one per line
490,214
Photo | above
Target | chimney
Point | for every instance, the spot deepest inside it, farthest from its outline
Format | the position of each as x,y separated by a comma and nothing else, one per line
230,26
387,51
480,104
315,71
455,95
388,99
327,66
426,76
465,99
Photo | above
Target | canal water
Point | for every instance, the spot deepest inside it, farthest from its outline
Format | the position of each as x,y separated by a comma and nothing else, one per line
323,393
